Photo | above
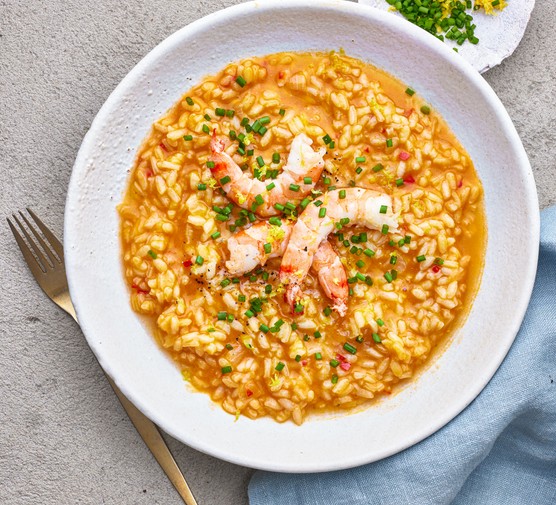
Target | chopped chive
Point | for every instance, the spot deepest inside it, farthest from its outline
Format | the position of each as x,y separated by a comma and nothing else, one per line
378,168
331,145
152,254
207,117
389,143
232,134
188,137
189,100
225,180
384,229
280,366
410,91
262,130
275,221
279,206
290,206
276,158
376,338
360,159
425,109
359,339
230,317
249,313
306,338
229,347
260,161
438,261
352,280
383,209
270,186
267,248
380,322
298,308
393,259
399,182
250,152
259,199
344,221
407,239
215,235
244,122
317,334
210,164
334,379
307,180
322,212
327,311
327,139
221,316
225,282
360,263
349,348
327,181
226,369
230,113
342,194
199,260
206,129
268,289
235,280
358,170
360,276
256,126
241,298
394,274
318,356
222,217
252,217
368,280
241,81
294,326
281,112
297,358
264,328
421,258
318,203
388,277
201,186
334,363
294,187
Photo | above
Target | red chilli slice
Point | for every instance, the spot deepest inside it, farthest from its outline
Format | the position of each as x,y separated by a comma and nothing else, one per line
345,366
187,263
408,179
404,156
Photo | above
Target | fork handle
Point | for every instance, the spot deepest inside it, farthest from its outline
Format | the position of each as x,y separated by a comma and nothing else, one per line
147,429
154,441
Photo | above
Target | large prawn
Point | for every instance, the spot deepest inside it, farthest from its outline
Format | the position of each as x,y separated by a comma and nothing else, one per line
247,250
253,194
359,206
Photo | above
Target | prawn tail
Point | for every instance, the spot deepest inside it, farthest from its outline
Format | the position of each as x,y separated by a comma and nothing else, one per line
217,145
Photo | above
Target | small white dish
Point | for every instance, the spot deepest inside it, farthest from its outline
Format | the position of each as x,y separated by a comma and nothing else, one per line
499,35
127,350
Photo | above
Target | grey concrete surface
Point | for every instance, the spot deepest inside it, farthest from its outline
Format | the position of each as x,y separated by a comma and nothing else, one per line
64,438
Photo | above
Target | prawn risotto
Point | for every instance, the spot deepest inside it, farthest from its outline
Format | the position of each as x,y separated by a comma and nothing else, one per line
303,231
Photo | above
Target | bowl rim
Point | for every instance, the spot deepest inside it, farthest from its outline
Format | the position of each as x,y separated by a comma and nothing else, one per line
393,23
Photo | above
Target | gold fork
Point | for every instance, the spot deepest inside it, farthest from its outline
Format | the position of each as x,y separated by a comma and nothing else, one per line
49,271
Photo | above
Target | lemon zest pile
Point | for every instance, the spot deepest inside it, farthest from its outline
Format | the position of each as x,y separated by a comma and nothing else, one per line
488,7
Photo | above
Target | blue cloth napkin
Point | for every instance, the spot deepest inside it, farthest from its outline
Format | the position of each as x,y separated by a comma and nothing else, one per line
500,450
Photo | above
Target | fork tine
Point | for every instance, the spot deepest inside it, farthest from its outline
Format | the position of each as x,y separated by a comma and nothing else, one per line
54,242
46,248
32,243
33,263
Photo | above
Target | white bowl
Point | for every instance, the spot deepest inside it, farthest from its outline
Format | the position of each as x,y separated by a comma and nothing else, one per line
126,349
